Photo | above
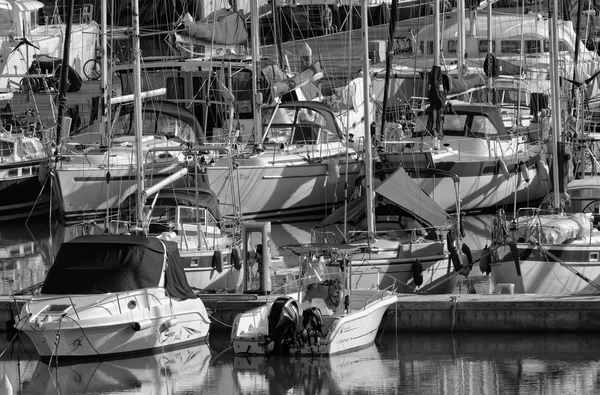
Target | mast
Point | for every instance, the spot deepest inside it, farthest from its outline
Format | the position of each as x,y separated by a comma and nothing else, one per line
367,160
460,25
137,111
257,119
64,73
558,185
388,62
104,72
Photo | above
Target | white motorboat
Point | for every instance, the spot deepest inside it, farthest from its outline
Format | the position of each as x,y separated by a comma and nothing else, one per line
315,326
113,295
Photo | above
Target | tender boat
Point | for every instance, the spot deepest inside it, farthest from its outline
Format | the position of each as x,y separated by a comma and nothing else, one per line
113,295
323,317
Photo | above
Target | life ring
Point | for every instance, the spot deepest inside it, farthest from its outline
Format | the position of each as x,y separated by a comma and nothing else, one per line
484,261
327,18
217,261
235,258
417,270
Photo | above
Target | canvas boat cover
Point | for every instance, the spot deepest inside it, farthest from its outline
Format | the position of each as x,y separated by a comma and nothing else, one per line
99,264
400,189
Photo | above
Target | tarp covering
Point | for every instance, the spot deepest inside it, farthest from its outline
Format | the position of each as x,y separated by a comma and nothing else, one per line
401,190
100,264
498,67
224,27
463,84
554,229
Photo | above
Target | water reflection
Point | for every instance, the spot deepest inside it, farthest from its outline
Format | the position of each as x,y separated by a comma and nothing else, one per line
165,373
335,374
442,364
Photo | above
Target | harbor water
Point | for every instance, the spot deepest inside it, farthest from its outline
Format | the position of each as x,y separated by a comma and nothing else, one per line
398,363
432,364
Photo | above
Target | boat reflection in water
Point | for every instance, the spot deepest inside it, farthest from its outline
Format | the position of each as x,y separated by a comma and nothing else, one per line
403,363
162,373
363,371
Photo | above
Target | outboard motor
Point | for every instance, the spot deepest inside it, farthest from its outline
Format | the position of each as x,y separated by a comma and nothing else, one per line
312,323
284,322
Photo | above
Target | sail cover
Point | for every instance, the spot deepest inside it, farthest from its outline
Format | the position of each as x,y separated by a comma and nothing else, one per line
401,190
223,27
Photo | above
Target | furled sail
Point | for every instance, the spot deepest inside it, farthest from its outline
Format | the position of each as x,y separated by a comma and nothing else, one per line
223,27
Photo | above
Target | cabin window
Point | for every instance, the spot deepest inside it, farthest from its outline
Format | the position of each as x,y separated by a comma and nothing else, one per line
452,46
510,46
454,123
482,126
533,46
29,149
176,88
429,50
563,46
6,148
512,96
484,46
173,127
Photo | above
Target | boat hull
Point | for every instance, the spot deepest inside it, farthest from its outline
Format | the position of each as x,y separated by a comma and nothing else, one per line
23,189
117,324
90,193
540,273
345,332
289,188
483,185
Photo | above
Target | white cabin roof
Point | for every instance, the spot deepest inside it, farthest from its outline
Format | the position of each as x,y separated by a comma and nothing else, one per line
22,6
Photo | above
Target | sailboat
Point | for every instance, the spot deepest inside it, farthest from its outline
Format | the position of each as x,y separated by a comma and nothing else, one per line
108,295
556,251
496,167
327,315
25,153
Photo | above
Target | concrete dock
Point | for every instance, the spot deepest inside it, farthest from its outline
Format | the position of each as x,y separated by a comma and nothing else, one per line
452,313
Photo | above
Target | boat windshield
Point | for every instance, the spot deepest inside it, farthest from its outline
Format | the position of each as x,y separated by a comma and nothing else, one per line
298,125
460,125
163,125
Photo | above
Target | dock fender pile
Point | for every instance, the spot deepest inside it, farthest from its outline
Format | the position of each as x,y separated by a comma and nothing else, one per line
484,261
333,171
524,171
542,170
235,258
417,269
503,168
455,257
467,251
217,261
